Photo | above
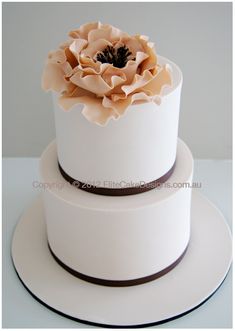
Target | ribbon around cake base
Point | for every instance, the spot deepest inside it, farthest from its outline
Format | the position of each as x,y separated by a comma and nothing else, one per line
118,283
116,191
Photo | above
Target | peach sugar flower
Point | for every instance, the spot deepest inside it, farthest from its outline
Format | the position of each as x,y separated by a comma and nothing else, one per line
106,70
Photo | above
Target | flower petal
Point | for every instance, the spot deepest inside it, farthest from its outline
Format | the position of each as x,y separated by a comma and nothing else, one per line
98,114
67,69
86,62
93,83
113,76
97,46
119,106
107,32
65,44
89,66
77,46
140,98
161,79
93,109
97,34
71,58
138,82
53,78
134,45
57,56
84,29
97,83
150,62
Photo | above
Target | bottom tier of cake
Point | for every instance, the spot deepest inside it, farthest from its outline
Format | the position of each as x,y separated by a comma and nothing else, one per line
117,240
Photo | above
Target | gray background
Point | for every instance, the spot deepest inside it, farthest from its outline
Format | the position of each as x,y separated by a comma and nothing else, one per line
197,36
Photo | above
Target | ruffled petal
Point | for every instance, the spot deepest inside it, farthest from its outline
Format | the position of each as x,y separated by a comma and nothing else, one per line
129,71
67,69
140,97
97,34
88,63
71,98
107,32
84,29
138,82
71,58
88,66
65,44
120,103
161,79
150,62
57,56
93,83
97,46
133,45
113,76
53,78
77,46
96,83
93,109
119,106
97,113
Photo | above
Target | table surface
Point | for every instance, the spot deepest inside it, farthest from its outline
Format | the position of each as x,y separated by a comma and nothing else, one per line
20,310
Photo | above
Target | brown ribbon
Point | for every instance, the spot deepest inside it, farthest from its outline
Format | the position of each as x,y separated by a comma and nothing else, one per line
116,191
117,283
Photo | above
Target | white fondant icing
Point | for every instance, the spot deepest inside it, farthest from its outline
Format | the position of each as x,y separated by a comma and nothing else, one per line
117,238
198,275
138,147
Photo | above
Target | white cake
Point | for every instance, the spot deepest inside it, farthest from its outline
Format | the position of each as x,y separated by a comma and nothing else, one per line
117,238
118,205
146,138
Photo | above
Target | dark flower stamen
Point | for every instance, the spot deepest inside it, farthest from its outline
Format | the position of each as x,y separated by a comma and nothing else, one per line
117,57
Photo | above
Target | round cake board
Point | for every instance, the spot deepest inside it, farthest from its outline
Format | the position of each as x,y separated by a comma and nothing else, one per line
183,289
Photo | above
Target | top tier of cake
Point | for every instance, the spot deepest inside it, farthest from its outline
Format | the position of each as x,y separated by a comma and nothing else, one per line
139,147
116,108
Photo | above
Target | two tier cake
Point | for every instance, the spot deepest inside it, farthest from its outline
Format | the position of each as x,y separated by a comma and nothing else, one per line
114,240
122,215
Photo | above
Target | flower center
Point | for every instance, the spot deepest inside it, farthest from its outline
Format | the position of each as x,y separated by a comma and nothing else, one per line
117,57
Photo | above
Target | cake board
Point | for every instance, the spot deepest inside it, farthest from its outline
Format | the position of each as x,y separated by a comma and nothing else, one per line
186,287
